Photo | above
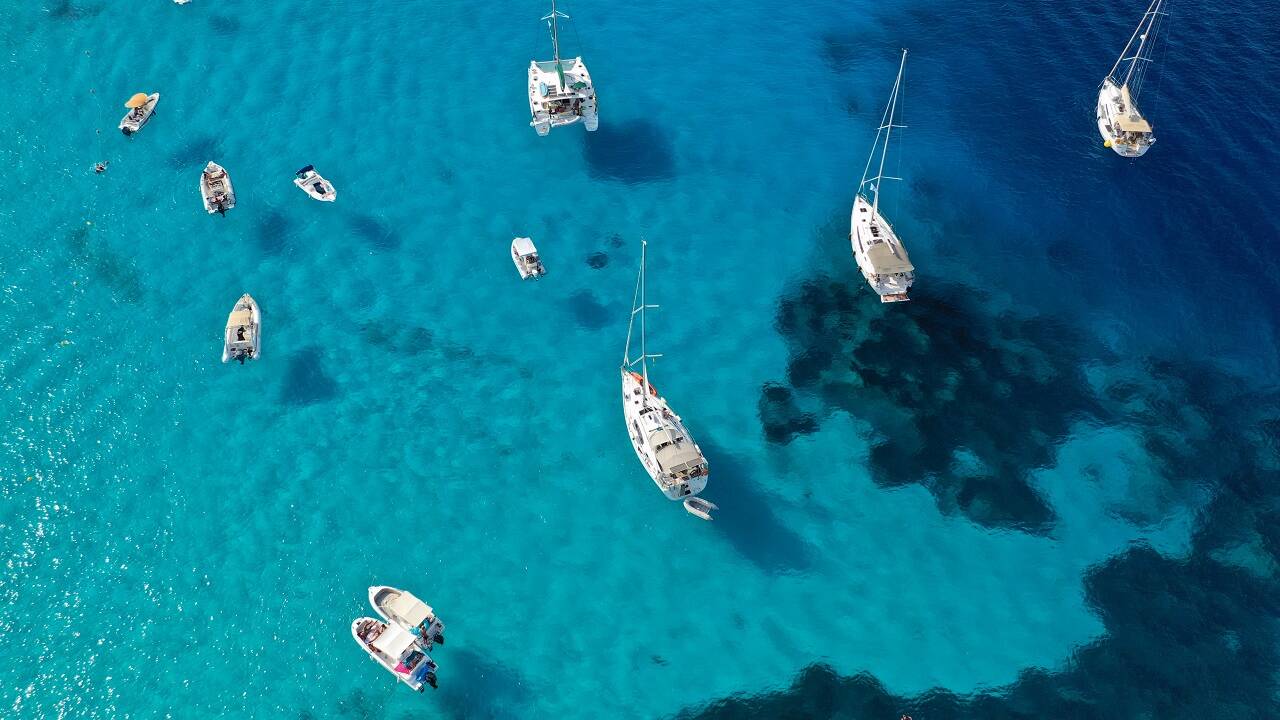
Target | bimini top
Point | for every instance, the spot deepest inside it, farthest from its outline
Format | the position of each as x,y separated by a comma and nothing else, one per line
1130,120
886,262
1133,123
409,609
393,641
676,454
523,246
240,317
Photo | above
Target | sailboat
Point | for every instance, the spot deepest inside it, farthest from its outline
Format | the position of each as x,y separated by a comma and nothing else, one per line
661,441
1121,124
876,247
560,91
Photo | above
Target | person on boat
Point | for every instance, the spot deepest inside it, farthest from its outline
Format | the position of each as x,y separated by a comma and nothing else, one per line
240,333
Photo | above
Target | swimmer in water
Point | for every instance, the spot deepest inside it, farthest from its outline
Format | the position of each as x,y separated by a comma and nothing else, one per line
100,167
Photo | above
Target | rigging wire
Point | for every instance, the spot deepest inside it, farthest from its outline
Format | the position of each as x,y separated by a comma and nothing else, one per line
1164,50
897,201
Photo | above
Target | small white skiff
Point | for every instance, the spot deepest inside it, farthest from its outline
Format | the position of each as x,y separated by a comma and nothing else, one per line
141,107
216,190
699,507
406,610
395,650
525,256
314,185
243,338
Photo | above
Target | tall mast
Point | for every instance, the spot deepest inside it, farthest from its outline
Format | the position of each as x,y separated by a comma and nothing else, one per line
1150,21
638,305
888,129
555,39
644,354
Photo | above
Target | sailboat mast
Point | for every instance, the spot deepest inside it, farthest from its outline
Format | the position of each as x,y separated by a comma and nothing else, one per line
1150,21
555,33
644,353
888,129
555,42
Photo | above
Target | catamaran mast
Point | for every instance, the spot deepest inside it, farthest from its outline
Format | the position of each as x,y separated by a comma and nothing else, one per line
555,40
888,128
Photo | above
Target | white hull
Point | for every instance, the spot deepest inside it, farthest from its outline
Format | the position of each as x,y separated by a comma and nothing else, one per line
311,183
1110,112
133,121
216,190
526,258
879,253
552,106
641,426
381,599
388,663
244,321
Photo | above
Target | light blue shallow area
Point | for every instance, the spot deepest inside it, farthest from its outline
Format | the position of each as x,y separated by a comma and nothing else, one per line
187,539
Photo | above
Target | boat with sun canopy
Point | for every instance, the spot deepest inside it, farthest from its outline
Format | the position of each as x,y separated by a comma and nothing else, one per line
1121,124
877,249
659,437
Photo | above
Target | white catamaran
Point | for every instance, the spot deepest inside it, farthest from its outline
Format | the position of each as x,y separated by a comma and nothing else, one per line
1121,124
560,91
670,456
876,247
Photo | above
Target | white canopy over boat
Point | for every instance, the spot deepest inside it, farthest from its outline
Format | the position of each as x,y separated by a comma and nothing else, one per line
409,609
523,245
394,641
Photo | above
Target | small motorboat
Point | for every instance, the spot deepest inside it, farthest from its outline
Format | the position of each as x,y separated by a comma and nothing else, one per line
407,611
314,185
699,507
396,650
525,256
215,188
141,107
243,339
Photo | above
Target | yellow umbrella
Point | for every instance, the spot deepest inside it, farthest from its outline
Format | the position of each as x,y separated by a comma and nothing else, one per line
137,101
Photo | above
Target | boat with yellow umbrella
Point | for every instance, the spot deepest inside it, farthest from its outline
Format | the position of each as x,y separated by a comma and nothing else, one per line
141,107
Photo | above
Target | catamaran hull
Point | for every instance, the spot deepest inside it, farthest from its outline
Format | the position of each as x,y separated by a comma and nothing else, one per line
1107,110
543,121
630,411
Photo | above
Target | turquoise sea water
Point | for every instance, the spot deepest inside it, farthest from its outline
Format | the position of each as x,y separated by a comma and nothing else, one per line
1048,482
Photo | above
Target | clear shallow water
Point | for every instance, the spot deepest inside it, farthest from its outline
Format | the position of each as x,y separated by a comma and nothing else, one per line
1045,488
